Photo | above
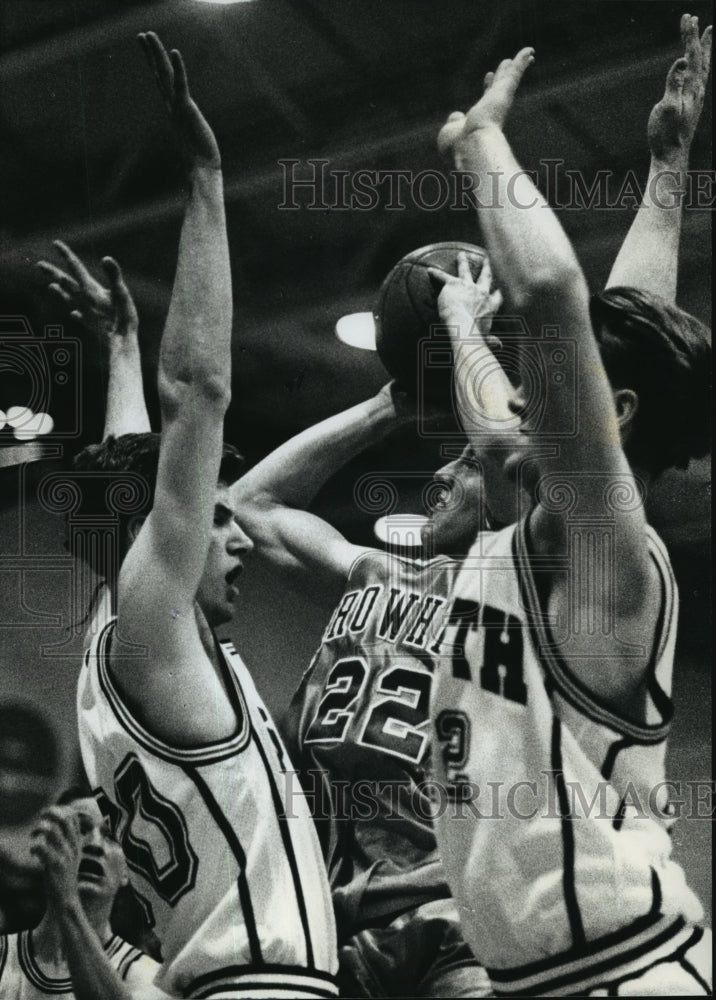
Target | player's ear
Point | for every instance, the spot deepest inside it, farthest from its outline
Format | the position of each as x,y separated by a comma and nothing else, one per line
626,403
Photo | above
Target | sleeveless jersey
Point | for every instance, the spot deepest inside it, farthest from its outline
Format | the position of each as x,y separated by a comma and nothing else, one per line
552,821
229,868
359,727
21,977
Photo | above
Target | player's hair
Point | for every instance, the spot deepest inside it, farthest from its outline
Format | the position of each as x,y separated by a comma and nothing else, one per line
137,454
663,354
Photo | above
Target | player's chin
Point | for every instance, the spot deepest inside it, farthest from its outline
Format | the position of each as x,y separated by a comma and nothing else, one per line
92,888
223,612
448,535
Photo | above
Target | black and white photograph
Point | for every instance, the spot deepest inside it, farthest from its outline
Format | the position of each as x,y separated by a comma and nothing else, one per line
355,502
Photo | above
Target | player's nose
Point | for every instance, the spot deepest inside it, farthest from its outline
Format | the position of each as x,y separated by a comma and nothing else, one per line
239,542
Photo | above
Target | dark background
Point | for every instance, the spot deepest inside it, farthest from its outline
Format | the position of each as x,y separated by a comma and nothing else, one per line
87,156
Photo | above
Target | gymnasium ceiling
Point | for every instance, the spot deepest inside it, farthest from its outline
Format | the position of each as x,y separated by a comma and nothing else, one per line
362,84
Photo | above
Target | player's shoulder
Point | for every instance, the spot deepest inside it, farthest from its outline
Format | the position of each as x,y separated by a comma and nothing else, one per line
132,964
380,566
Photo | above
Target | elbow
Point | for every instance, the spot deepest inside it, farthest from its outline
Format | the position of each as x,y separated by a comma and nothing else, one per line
212,391
552,282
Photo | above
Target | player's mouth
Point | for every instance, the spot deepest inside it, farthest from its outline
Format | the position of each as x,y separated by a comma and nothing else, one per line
231,579
90,870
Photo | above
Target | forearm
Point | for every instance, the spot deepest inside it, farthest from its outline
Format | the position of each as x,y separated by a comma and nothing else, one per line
126,411
91,971
483,390
649,257
526,243
292,475
196,346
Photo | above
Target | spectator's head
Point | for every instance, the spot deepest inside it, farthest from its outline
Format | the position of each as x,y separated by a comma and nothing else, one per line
658,360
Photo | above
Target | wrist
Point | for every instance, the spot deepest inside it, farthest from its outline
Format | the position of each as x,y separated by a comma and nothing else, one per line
124,345
673,158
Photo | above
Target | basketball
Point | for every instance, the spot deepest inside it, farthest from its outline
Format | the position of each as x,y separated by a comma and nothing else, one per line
409,338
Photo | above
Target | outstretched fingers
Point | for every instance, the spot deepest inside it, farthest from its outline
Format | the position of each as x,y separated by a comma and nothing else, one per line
160,64
484,279
181,84
79,272
442,276
463,267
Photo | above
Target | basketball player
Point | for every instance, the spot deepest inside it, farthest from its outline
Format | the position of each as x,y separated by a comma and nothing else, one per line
398,930
172,730
73,950
556,670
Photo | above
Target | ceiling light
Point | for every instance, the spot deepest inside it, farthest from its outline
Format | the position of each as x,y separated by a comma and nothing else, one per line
27,425
224,2
400,530
357,330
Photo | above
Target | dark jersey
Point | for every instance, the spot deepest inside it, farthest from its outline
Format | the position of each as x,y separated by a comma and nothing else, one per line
359,727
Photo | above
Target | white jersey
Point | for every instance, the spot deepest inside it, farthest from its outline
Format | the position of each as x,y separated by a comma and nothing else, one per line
553,826
230,870
22,977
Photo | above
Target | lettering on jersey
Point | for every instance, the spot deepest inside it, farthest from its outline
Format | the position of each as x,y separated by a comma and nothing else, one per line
453,729
406,616
170,863
343,687
501,671
426,614
396,613
367,602
464,613
338,623
397,724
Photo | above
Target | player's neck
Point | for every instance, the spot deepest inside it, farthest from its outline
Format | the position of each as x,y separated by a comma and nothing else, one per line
47,941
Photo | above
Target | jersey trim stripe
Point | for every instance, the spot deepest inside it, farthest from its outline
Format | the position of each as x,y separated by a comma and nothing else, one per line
265,980
629,950
127,960
569,884
247,908
611,757
565,681
3,953
209,753
289,852
33,972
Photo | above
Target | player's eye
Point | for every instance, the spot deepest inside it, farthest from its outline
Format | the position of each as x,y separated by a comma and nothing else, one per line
86,825
221,516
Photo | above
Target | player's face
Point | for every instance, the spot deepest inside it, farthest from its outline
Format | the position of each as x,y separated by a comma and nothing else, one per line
218,593
103,868
458,513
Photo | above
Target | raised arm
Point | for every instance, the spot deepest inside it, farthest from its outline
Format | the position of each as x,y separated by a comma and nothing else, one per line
109,314
539,274
648,258
160,575
272,498
483,392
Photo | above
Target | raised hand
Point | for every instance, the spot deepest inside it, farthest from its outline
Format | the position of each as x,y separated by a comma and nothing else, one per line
493,107
472,297
197,140
673,120
56,845
106,312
